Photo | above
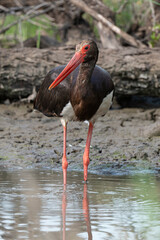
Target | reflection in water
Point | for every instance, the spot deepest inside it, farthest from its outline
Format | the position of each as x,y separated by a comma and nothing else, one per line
35,205
64,205
86,212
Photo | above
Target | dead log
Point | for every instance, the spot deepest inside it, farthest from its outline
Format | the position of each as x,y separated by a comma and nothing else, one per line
100,18
134,71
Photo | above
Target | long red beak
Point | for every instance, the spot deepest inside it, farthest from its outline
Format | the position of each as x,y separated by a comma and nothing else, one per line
73,63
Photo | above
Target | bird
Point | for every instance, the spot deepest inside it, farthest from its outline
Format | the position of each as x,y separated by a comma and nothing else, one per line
78,91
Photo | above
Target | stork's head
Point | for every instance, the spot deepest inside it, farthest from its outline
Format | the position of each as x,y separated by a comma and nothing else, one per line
86,51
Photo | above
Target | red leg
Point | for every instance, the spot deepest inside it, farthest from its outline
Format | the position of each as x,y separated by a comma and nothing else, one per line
86,151
64,159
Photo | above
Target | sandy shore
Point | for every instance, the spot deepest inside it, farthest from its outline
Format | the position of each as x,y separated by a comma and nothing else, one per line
120,142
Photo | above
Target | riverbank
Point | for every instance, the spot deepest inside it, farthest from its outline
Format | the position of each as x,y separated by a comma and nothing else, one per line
120,142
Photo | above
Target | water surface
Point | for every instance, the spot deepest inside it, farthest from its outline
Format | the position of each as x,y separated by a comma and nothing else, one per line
35,205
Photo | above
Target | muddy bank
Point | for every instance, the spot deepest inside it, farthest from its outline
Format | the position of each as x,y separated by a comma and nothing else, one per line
119,144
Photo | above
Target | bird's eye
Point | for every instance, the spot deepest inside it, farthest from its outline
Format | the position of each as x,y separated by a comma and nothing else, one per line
85,48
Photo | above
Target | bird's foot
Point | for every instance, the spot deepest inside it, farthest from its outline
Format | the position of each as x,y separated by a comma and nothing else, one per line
85,173
64,176
64,167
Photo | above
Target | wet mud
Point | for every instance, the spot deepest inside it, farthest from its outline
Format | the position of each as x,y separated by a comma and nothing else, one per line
120,142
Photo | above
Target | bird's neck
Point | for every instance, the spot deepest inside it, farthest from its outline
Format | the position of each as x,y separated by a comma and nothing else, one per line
85,72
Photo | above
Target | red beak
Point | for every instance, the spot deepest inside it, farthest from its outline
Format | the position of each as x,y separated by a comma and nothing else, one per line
73,63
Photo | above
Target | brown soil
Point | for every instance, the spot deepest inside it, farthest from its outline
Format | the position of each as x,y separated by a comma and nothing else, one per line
120,143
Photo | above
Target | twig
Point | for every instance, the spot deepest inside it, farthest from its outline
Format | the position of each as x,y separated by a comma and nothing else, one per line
31,97
21,35
33,9
13,10
107,23
50,18
25,18
51,21
18,3
4,9
122,7
38,24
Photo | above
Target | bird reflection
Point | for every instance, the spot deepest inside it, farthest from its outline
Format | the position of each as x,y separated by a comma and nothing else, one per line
85,204
64,205
86,212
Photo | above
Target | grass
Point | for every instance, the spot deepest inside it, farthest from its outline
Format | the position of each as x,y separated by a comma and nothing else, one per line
26,29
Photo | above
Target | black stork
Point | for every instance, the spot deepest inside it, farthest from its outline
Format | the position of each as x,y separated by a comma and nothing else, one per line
78,91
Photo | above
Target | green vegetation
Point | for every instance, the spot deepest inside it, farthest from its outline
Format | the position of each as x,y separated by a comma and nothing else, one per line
127,14
90,20
134,11
26,29
155,36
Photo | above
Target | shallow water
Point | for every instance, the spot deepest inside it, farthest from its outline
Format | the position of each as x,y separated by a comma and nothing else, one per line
34,205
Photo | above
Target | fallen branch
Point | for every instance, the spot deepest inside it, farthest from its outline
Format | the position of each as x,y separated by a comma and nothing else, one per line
134,71
81,4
